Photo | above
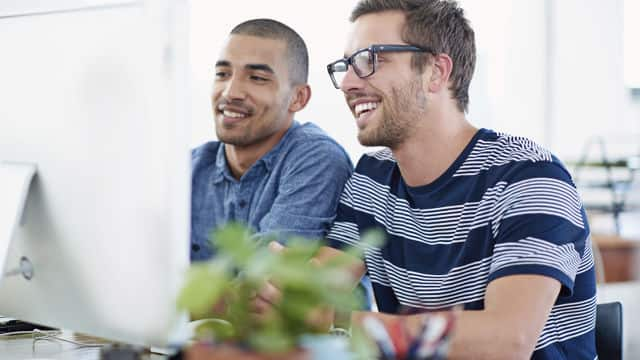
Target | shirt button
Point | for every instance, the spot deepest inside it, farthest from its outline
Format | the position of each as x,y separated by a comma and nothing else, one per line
195,247
242,203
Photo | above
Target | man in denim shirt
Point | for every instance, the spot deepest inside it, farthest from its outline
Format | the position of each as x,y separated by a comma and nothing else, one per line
268,171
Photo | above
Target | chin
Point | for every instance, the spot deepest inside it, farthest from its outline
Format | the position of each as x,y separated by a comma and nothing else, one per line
367,139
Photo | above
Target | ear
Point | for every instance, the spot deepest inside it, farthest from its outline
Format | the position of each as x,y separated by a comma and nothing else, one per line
441,69
300,98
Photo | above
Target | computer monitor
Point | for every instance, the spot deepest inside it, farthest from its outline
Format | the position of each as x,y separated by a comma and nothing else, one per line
94,94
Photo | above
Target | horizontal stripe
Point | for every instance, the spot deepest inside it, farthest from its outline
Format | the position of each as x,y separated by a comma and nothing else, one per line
504,150
532,251
382,154
568,321
460,285
539,196
451,224
587,257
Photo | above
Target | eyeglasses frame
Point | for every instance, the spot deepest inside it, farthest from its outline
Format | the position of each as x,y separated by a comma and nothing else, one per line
373,49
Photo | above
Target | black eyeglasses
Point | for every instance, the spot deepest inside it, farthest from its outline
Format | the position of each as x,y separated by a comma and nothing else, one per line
364,61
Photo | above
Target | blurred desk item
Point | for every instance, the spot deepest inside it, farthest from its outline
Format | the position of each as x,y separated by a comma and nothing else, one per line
620,257
61,346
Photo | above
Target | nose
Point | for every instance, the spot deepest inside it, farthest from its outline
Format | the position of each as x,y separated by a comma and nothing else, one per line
233,89
351,81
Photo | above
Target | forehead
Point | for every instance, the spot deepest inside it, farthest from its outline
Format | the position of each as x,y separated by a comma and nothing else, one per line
241,50
376,28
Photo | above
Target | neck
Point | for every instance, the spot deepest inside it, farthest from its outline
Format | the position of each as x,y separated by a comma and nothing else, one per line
241,158
433,147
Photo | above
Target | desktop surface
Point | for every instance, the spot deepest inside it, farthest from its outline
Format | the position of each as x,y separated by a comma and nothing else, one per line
25,347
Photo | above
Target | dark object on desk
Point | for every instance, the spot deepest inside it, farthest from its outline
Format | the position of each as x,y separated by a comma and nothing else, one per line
120,352
609,331
17,325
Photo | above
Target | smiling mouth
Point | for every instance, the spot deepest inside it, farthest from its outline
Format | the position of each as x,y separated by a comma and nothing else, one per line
364,108
232,114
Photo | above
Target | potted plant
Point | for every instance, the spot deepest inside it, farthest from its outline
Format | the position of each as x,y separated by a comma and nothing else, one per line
221,290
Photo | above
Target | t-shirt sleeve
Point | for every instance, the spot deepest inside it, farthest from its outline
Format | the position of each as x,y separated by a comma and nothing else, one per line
539,225
344,232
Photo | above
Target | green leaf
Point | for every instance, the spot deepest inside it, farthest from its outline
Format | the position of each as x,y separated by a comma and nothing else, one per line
204,287
235,242
214,329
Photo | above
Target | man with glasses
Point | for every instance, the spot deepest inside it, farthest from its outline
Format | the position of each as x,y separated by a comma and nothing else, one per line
267,171
472,218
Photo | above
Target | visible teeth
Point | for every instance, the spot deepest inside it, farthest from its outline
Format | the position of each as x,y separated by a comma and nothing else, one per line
365,106
232,114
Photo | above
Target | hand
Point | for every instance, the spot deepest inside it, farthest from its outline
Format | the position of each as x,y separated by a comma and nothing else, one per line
269,295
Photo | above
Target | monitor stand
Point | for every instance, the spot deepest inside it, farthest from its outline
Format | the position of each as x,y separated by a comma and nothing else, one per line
15,180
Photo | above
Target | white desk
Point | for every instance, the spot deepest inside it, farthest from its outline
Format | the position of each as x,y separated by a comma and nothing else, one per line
23,347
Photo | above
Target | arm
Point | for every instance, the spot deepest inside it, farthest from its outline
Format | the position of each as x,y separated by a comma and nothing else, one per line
516,309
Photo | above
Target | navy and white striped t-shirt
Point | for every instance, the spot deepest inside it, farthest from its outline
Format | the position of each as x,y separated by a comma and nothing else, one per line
506,206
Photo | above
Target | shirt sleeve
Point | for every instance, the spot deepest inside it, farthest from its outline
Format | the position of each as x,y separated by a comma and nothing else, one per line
344,231
308,192
539,226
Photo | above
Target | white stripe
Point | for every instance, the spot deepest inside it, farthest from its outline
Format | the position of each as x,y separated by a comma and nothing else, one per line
539,196
568,321
377,274
505,149
532,251
346,232
451,224
587,257
460,285
383,154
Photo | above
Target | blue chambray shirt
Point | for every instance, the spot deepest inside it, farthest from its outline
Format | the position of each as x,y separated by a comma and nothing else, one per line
292,190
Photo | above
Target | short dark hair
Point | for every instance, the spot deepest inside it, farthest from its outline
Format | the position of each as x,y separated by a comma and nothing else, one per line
440,25
297,54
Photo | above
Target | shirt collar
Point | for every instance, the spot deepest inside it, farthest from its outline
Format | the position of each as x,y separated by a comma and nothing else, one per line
222,168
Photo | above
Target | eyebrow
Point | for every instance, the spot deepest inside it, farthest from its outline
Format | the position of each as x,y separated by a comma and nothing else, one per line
260,67
223,63
257,67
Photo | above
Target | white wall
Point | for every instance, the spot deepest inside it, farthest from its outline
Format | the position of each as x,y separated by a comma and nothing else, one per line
508,89
589,97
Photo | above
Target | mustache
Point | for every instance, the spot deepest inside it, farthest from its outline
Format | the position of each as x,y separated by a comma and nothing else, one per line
357,95
235,104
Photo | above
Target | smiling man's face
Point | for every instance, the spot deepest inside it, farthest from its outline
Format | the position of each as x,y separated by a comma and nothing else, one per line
251,90
388,104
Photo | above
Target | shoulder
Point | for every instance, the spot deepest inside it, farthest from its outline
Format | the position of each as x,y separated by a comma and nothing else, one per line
204,154
381,160
506,148
511,156
308,132
309,140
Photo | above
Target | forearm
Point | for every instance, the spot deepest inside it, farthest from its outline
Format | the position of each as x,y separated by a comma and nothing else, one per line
355,268
490,335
